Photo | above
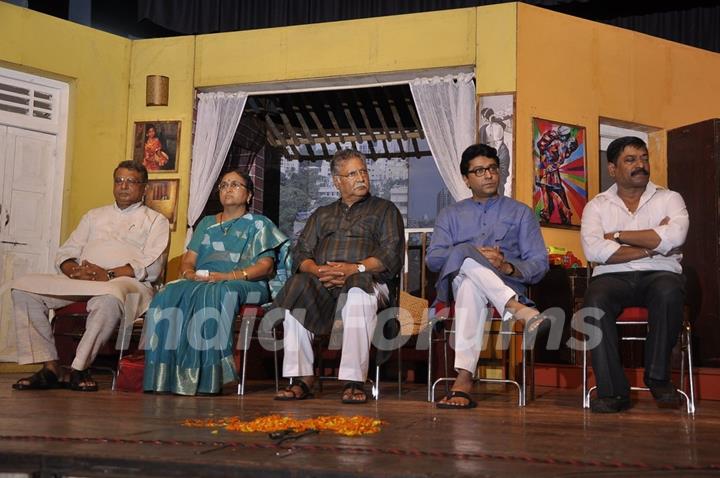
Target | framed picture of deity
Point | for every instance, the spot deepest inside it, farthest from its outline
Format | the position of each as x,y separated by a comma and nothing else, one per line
162,196
156,145
560,173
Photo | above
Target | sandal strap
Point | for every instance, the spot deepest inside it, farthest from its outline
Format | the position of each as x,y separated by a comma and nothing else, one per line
44,376
459,394
354,386
303,386
78,376
48,376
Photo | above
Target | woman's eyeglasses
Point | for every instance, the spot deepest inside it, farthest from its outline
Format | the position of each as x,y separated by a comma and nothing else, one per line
234,186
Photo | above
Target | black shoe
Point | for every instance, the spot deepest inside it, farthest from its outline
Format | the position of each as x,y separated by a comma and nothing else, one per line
664,393
610,404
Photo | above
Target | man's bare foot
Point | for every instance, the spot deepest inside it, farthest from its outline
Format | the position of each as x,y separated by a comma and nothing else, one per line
532,318
521,311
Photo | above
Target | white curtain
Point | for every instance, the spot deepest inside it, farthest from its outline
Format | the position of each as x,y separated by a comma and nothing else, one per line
218,117
446,106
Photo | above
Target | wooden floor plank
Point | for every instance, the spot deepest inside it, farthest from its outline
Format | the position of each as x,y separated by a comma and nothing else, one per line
112,433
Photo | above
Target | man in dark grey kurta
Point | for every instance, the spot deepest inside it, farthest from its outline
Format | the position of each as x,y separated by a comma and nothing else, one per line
345,257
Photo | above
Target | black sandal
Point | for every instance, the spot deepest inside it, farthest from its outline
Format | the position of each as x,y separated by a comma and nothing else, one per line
77,377
354,387
43,379
305,392
461,406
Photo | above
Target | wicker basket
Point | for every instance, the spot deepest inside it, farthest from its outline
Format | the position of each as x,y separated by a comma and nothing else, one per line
413,314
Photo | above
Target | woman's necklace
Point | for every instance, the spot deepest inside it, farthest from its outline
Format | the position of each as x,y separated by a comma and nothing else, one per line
226,229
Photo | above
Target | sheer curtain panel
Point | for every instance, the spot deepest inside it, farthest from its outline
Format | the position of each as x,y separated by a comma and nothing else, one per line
446,107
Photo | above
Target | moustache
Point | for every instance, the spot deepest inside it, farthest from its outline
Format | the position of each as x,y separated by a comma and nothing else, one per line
640,171
360,185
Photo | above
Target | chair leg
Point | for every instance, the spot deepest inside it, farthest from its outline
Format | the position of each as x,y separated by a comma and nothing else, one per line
585,398
532,374
523,385
688,340
246,340
275,360
683,351
430,364
116,372
376,385
445,353
123,345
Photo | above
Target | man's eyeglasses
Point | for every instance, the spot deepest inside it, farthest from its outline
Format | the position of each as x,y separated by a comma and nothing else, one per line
354,174
234,186
480,171
129,181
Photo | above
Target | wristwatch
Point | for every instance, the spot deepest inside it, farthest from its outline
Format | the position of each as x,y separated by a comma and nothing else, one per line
616,236
361,268
111,275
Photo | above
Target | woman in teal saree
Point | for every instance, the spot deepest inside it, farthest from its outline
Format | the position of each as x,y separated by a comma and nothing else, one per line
229,261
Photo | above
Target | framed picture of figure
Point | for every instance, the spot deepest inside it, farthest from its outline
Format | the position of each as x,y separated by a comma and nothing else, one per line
162,196
560,173
156,144
496,117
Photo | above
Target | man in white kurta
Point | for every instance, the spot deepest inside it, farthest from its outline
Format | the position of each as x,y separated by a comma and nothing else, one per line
110,260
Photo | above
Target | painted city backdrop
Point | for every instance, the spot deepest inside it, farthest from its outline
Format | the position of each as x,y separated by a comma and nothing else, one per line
414,185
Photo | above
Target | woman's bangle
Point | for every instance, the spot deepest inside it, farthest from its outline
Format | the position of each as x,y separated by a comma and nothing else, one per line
185,272
647,253
242,271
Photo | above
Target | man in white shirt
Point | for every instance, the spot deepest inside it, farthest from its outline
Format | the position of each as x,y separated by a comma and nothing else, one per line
110,260
634,231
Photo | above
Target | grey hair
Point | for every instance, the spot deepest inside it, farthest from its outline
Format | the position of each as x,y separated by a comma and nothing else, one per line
343,155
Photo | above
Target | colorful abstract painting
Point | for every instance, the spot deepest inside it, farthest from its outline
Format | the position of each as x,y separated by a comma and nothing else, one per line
560,170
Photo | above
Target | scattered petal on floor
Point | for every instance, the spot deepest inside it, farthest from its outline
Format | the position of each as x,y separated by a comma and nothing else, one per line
342,425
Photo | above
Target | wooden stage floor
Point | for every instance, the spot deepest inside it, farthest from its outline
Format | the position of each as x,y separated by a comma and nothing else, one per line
59,433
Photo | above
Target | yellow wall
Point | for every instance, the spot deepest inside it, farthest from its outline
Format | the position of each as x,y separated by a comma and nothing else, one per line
97,66
174,58
496,51
357,47
576,71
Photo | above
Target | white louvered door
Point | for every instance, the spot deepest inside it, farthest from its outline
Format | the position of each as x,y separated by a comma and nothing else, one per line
32,129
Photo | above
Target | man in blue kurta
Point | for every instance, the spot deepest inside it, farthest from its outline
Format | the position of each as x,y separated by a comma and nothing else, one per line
487,248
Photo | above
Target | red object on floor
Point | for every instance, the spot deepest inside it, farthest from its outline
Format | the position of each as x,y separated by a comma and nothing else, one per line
130,373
